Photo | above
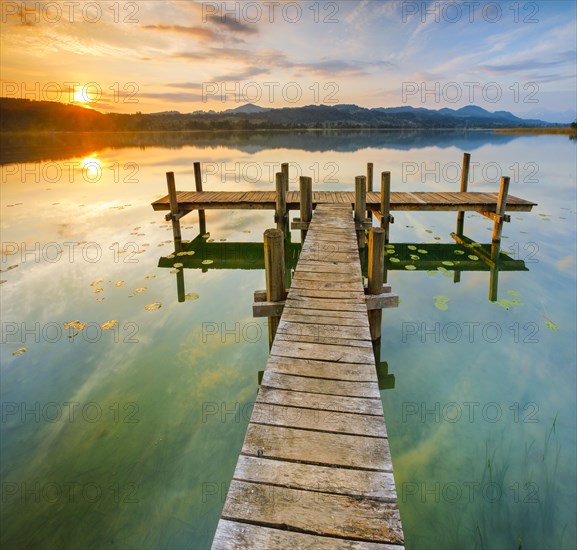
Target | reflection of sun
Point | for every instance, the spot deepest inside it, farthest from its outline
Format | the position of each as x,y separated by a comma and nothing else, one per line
92,166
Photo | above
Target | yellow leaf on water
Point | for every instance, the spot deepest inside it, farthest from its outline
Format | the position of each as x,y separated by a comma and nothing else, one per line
150,277
98,290
119,283
96,283
140,289
109,324
20,351
75,325
153,306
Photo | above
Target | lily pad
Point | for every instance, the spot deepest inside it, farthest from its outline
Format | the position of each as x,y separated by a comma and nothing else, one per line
170,257
191,296
178,264
20,351
458,252
206,236
140,289
96,283
182,253
441,302
504,303
432,273
395,260
174,271
410,267
119,283
207,262
412,247
447,262
414,257
513,293
150,277
98,290
422,251
153,306
109,324
473,257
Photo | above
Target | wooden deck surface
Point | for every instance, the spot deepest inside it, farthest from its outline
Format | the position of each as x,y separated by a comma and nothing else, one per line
315,468
192,200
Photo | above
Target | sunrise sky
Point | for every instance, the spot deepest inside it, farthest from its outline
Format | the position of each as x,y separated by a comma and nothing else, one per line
181,55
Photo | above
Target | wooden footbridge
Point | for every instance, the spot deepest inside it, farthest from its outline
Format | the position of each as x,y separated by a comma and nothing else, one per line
315,469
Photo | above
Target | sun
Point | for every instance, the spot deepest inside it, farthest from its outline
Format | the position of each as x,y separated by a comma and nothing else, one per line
82,96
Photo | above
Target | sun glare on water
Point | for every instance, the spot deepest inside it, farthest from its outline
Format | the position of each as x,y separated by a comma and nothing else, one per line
92,167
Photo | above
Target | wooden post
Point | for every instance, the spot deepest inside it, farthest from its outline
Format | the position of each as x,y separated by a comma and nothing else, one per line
369,185
306,202
376,269
180,289
284,168
501,207
464,184
198,184
385,203
360,206
280,214
275,274
170,183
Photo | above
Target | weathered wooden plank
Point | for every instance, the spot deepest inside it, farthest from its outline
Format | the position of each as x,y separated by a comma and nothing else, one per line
351,332
287,398
327,305
277,442
320,339
322,369
321,420
308,316
319,385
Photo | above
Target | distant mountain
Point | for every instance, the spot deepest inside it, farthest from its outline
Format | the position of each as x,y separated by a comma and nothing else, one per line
248,109
26,115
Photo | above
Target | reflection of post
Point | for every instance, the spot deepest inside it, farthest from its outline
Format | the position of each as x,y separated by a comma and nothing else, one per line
386,203
369,185
306,202
360,207
174,214
376,270
180,284
464,184
497,231
198,184
275,276
280,214
494,276
386,380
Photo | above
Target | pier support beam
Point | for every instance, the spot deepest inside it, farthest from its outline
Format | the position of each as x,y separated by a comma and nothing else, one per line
360,208
284,168
281,217
386,217
275,274
369,185
306,202
174,213
464,185
198,185
376,271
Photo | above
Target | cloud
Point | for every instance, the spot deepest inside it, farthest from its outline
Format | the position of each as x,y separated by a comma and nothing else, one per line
182,97
231,25
197,32
530,64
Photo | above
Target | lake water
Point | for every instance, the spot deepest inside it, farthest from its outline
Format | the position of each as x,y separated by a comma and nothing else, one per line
127,436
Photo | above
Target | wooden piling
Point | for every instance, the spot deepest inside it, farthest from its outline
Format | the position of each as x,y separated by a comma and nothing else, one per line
198,185
360,207
386,203
369,185
174,214
281,207
284,168
376,270
500,210
464,185
275,273
306,202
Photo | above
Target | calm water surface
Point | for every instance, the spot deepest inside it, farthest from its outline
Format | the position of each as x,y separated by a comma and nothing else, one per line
126,434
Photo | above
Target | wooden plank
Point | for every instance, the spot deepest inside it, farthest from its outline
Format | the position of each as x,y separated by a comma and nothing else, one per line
321,386
233,535
323,352
287,398
277,442
308,477
351,332
320,339
322,369
320,420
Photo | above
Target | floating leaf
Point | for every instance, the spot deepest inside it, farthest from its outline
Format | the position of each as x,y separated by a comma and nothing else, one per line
207,262
75,325
109,324
210,241
437,238
98,290
119,283
150,277
154,305
174,271
549,324
140,289
428,231
447,262
410,267
504,303
422,251
206,236
395,260
432,273
513,293
441,302
191,296
190,252
96,283
441,268
100,299
476,244
170,257
181,253
20,351
177,265
390,251
412,247
473,257
222,240
459,252
414,257
516,302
